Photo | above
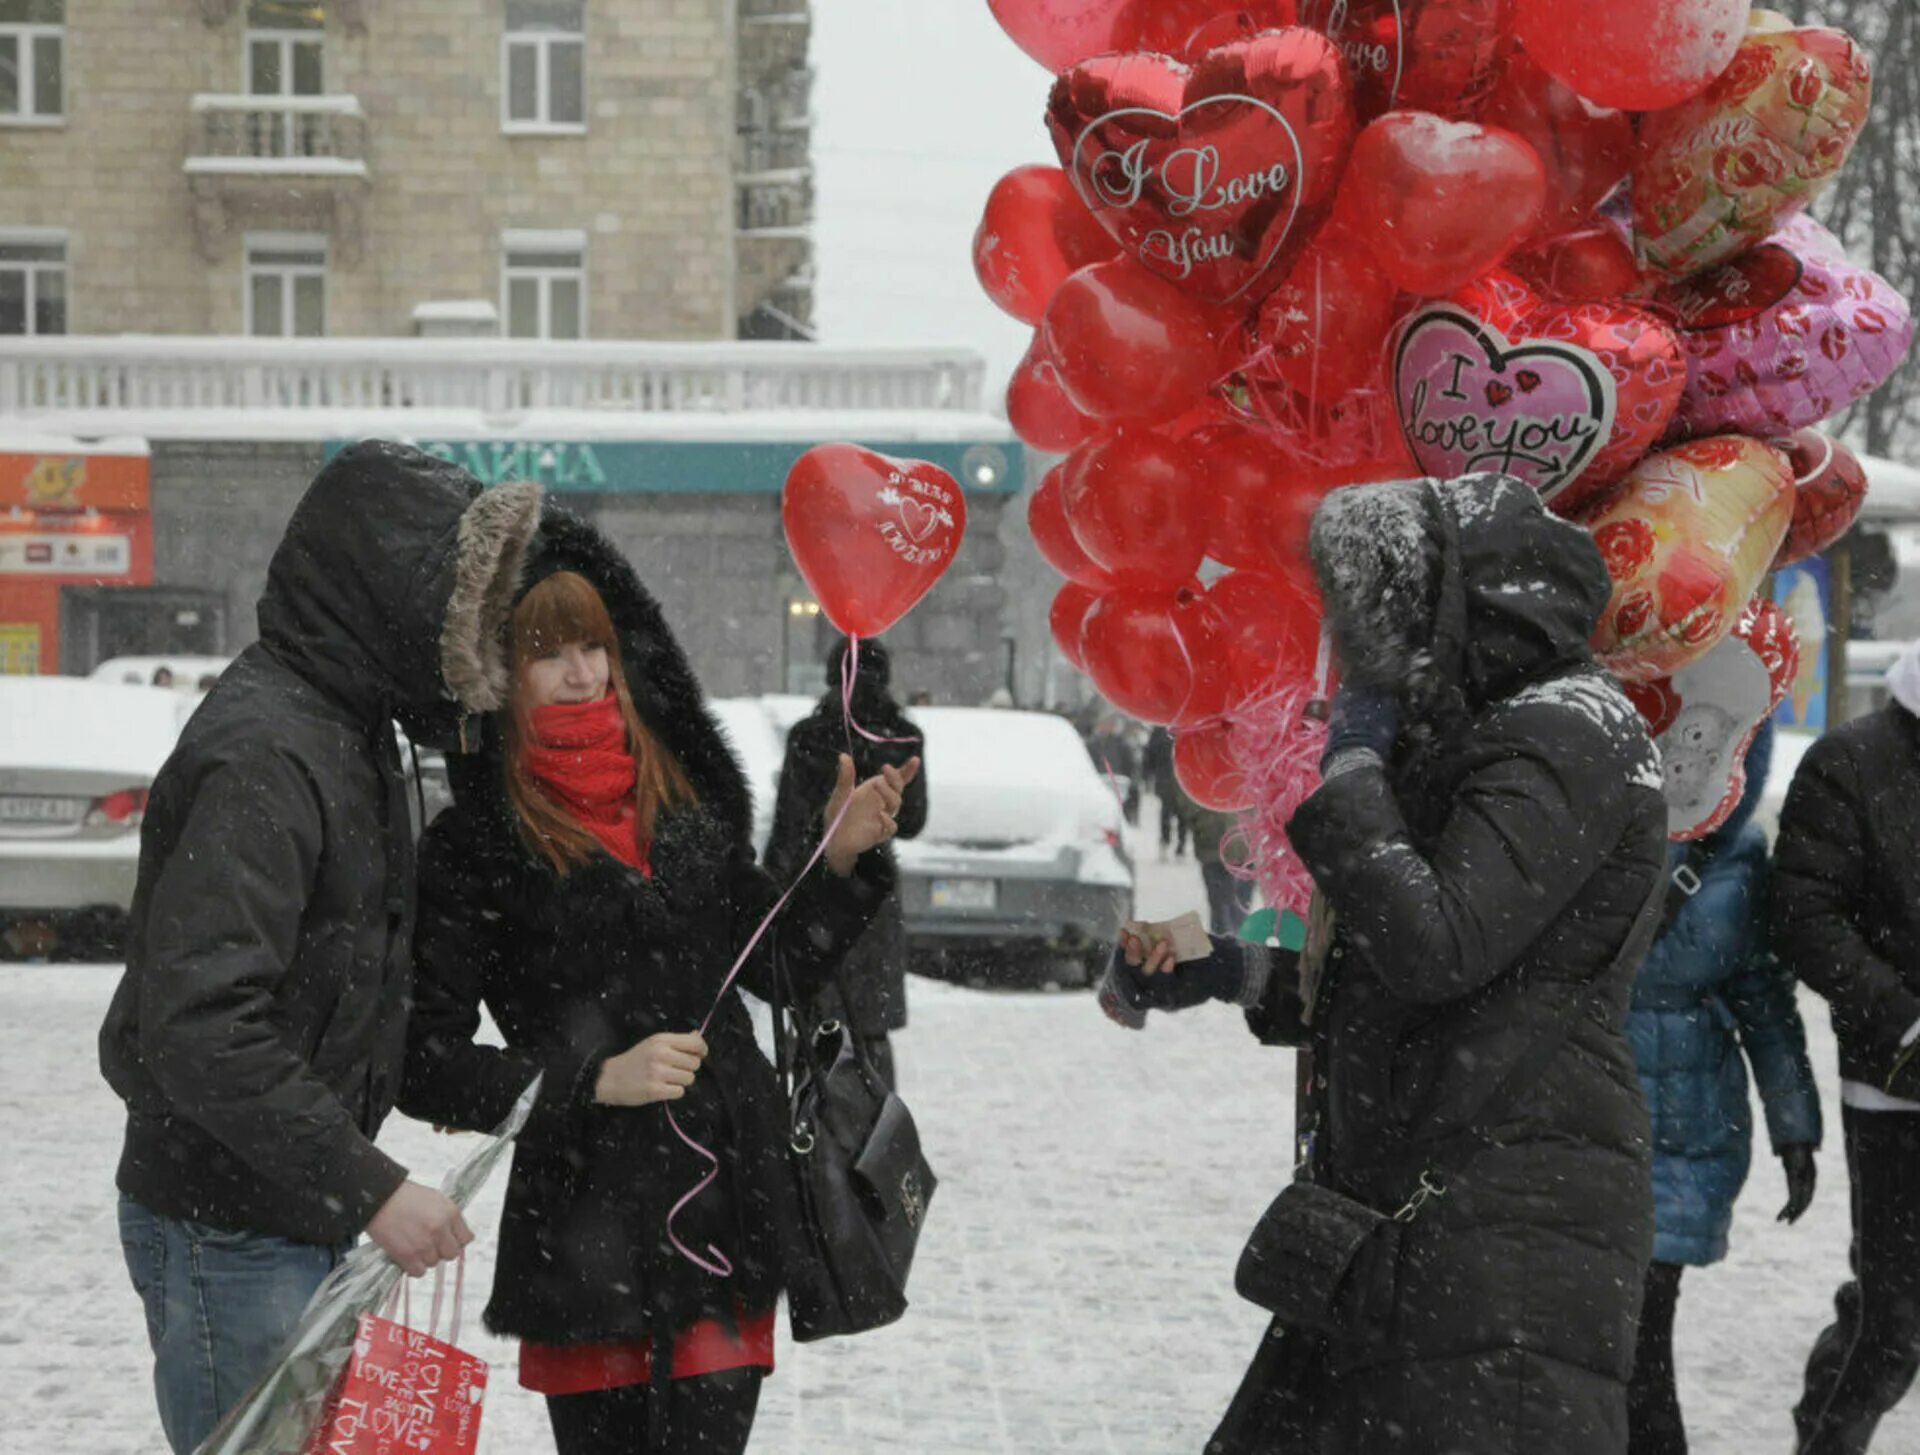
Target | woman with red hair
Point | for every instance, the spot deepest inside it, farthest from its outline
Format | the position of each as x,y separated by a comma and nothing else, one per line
592,887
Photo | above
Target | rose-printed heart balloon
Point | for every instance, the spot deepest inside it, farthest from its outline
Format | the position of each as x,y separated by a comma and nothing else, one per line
871,534
1706,716
1718,173
1686,540
1829,487
1214,176
1563,396
1784,336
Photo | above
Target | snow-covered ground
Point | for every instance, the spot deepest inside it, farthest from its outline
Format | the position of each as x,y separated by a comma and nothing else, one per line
1074,1286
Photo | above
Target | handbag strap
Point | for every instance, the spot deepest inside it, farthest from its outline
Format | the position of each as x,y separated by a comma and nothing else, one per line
1448,1154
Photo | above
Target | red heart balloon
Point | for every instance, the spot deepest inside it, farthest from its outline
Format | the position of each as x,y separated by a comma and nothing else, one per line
1324,330
1440,202
871,534
1034,232
1414,55
1145,649
1038,407
1565,396
1127,345
1136,507
1204,762
1061,33
1213,176
1267,628
1581,267
1830,486
1587,150
1047,521
1640,55
1067,619
1246,478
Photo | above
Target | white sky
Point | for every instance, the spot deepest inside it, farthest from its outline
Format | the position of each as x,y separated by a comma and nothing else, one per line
920,107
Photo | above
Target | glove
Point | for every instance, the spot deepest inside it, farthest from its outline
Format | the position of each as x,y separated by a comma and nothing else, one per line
1361,721
1235,972
1796,1159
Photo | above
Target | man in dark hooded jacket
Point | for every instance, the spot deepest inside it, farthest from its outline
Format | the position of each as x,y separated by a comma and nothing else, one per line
1486,847
257,1035
874,971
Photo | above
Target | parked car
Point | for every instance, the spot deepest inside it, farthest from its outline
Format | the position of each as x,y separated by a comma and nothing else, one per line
188,672
76,760
1021,874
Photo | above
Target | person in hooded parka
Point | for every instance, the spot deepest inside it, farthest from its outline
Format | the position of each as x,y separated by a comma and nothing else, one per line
873,976
1486,845
256,1037
592,888
1710,998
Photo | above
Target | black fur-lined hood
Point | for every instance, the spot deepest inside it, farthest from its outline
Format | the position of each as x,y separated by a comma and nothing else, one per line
665,690
1467,586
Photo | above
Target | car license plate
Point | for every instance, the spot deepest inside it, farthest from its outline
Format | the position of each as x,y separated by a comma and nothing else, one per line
18,808
964,894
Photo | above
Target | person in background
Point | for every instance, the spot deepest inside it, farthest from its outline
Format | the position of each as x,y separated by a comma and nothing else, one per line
874,971
1845,912
1156,763
921,698
206,682
1229,897
1485,846
1114,755
1709,988
257,1035
162,676
592,888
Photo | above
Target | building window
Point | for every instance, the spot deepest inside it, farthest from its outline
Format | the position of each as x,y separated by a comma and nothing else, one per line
33,282
543,66
32,61
286,285
543,284
286,57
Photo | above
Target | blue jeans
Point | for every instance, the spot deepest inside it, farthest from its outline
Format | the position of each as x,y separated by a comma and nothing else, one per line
219,1305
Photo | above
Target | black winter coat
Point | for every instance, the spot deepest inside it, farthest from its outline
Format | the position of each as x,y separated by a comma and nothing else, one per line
256,1035
1483,885
575,969
874,972
1846,891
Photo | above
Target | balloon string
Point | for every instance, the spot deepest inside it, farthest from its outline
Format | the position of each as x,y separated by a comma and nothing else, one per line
718,1265
849,669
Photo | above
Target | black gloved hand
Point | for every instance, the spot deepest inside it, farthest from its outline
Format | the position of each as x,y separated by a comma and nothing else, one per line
1796,1160
1235,972
1361,720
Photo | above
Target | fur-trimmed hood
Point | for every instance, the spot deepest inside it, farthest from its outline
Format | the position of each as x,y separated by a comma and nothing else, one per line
1467,586
389,587
665,691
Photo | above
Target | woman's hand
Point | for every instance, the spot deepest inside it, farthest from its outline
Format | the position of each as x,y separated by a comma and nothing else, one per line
872,812
1157,960
660,1068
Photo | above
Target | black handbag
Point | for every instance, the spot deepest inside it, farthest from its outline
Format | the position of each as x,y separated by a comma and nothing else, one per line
864,1184
1323,1262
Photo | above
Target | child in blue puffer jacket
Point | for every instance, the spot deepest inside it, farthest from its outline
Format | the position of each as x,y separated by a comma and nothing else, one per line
1709,989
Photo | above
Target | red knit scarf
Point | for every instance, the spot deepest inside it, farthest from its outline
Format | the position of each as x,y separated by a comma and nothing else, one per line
578,755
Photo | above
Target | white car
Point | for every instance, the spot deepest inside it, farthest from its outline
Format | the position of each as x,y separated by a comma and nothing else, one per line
761,744
76,760
188,672
1021,872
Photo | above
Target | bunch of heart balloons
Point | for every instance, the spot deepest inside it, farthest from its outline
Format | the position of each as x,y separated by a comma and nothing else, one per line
1299,244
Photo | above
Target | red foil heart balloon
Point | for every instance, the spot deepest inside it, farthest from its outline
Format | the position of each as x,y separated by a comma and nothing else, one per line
1137,507
1053,537
1034,232
871,534
1213,176
1830,486
1146,650
1067,620
1061,33
1038,407
1587,150
1637,54
1418,55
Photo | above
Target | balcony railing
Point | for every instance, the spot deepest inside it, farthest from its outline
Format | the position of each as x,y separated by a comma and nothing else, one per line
779,205
780,12
149,375
759,152
300,134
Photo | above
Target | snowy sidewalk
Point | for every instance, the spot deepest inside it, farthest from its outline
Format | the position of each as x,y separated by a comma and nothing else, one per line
1074,1287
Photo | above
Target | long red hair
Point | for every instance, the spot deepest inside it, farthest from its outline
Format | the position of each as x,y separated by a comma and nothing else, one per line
561,611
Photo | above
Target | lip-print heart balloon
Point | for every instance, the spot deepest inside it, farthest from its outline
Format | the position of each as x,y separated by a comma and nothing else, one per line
1414,55
871,534
1565,397
1215,176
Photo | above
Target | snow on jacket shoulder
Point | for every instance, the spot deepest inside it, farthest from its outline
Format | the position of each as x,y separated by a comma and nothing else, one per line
1846,890
256,1034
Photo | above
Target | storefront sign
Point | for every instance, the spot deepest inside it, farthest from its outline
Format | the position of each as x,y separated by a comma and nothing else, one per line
683,467
74,553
